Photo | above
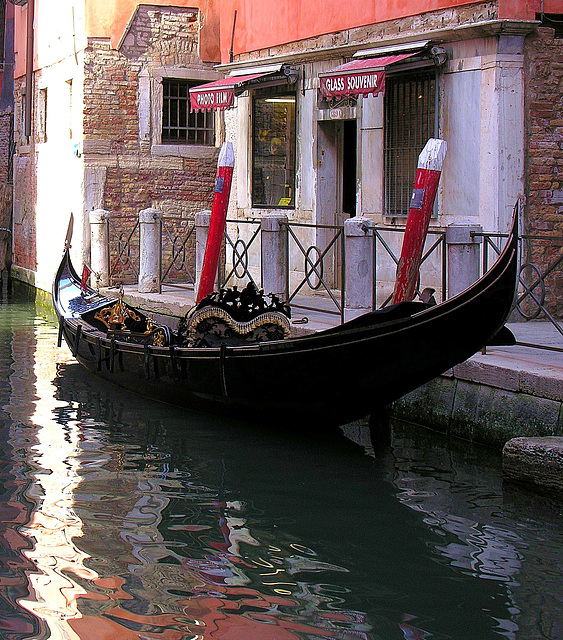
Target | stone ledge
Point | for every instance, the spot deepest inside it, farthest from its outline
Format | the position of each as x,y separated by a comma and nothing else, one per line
480,413
535,461
538,384
528,378
490,375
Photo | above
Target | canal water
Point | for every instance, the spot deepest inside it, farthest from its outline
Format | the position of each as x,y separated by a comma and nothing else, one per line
121,519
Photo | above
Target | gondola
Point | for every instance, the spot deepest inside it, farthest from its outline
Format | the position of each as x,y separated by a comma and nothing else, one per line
329,377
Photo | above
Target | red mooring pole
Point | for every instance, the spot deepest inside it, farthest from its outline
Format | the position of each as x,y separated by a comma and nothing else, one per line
216,233
428,173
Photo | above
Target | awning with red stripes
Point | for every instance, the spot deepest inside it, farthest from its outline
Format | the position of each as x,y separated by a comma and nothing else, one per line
220,94
359,77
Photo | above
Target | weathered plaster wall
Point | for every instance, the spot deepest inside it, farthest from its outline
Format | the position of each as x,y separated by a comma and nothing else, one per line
47,165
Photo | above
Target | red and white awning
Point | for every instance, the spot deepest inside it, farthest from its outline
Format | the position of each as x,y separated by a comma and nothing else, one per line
359,77
220,94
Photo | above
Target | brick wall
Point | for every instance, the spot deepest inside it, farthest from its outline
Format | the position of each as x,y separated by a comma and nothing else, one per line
5,127
137,178
544,133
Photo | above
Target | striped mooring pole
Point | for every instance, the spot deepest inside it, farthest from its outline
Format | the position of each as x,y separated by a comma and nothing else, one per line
428,173
225,165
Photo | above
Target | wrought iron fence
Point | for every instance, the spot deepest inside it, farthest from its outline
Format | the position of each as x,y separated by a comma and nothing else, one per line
177,251
316,263
241,248
539,279
123,247
433,266
323,266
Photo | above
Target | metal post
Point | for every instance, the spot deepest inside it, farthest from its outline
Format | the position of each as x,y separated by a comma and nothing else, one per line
359,274
99,253
150,254
462,241
274,254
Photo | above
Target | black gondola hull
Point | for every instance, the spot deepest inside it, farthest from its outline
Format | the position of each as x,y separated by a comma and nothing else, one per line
332,377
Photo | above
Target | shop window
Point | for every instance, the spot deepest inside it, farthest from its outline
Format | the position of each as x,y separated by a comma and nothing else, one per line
410,120
179,124
273,150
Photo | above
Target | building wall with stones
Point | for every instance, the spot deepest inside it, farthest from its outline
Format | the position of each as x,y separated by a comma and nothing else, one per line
127,168
544,185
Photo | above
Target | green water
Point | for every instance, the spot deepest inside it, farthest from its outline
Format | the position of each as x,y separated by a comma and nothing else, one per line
128,520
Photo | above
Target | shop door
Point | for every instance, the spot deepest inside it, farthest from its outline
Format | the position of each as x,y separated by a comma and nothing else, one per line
336,187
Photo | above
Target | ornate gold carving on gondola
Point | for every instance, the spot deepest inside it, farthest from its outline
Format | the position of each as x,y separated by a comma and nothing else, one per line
125,324
115,317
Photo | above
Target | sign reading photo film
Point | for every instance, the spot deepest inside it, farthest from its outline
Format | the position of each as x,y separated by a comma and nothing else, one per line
212,99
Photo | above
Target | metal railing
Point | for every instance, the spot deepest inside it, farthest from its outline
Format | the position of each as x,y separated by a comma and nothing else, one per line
323,266
535,299
435,247
123,248
241,254
177,251
316,263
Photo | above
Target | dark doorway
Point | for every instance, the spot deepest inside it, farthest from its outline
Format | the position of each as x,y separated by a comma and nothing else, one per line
349,155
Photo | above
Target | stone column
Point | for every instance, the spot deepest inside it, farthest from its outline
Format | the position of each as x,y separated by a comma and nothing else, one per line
359,275
202,220
99,246
149,251
463,256
274,254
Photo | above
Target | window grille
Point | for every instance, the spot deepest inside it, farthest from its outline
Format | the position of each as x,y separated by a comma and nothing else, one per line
179,124
410,120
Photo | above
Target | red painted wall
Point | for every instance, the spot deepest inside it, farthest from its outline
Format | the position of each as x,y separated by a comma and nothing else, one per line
264,23
108,18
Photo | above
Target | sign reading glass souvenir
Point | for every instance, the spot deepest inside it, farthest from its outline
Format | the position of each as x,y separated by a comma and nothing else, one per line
358,77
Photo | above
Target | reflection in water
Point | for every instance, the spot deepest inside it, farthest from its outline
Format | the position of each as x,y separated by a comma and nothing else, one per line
51,460
125,519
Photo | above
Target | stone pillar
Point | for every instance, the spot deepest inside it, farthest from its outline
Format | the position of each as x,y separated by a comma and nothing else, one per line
202,220
359,276
464,256
149,251
274,254
99,247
